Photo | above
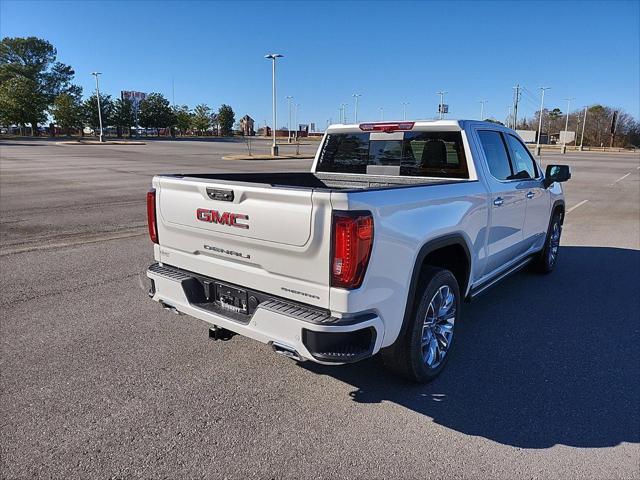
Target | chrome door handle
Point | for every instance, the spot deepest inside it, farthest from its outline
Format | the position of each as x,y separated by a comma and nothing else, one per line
498,202
530,194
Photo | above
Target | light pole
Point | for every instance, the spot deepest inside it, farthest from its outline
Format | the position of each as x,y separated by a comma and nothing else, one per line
566,126
272,57
482,102
289,98
343,110
404,110
584,122
540,120
381,113
441,107
355,108
509,117
295,120
96,74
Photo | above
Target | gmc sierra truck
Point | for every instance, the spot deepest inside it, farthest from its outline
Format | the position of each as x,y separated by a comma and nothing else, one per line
372,251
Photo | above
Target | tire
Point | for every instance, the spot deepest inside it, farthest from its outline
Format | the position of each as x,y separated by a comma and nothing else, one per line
546,260
423,350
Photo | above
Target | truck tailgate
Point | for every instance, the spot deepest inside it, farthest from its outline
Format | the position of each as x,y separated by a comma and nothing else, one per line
253,235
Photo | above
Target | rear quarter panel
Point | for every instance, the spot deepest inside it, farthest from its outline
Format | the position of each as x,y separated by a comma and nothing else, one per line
405,219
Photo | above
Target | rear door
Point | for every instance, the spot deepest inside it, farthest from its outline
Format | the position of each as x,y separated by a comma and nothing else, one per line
507,203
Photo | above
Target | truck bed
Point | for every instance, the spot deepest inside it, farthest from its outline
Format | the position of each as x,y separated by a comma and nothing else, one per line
316,181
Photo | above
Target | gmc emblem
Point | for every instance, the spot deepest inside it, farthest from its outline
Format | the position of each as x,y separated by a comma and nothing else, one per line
225,218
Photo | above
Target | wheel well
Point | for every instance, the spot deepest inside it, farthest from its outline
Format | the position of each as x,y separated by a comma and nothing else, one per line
559,208
453,258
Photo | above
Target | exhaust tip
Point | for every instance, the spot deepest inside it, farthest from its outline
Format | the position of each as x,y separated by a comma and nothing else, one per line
287,351
170,308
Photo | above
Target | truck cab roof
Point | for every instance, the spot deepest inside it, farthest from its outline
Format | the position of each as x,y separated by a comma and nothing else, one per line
411,125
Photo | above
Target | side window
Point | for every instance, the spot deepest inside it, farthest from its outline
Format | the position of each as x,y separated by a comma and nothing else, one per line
496,153
523,164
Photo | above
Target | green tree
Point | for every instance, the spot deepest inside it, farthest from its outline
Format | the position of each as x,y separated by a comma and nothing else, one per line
226,119
30,65
155,112
201,118
67,111
183,118
123,115
90,111
20,103
554,115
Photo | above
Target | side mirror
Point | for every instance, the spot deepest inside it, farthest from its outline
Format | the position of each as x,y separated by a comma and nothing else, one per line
556,173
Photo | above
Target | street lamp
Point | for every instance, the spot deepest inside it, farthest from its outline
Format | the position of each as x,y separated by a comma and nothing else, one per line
355,110
96,74
289,98
566,125
543,89
584,122
482,102
272,57
404,110
343,113
295,120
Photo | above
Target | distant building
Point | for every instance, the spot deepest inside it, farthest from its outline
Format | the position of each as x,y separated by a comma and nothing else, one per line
246,126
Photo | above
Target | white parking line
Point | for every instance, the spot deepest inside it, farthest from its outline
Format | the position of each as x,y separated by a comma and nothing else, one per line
577,205
621,178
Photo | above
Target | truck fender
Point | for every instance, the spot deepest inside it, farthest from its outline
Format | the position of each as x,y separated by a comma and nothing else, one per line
426,249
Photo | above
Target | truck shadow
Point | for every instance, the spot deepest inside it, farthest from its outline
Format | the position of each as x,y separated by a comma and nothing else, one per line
540,360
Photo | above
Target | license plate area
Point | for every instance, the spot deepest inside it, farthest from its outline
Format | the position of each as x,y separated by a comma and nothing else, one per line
231,298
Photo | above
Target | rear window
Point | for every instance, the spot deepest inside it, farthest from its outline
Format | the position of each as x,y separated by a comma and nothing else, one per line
418,154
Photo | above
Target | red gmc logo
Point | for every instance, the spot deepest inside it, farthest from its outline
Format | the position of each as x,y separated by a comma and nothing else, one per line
224,218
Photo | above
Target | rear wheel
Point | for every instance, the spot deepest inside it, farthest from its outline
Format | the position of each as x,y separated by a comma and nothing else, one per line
424,349
546,260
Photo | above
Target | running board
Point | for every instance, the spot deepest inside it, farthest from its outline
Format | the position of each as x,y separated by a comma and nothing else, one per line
483,288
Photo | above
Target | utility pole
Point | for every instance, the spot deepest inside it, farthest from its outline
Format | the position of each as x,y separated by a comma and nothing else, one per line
404,110
482,102
614,122
96,74
566,126
289,98
540,120
381,113
273,57
441,107
516,100
584,122
509,117
355,109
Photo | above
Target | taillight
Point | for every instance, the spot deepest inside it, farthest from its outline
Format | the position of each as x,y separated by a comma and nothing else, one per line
352,240
151,215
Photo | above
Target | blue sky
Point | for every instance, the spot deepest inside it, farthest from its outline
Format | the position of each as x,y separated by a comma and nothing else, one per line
390,52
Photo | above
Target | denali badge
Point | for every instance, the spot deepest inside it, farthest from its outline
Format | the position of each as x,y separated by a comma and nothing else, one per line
224,218
227,252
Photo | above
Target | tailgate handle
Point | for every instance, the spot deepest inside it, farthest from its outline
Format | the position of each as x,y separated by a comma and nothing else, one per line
218,194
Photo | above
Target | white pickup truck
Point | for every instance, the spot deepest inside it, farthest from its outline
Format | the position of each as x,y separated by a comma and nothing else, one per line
373,250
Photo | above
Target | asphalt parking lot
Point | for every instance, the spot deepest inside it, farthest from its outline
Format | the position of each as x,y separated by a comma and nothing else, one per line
97,381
